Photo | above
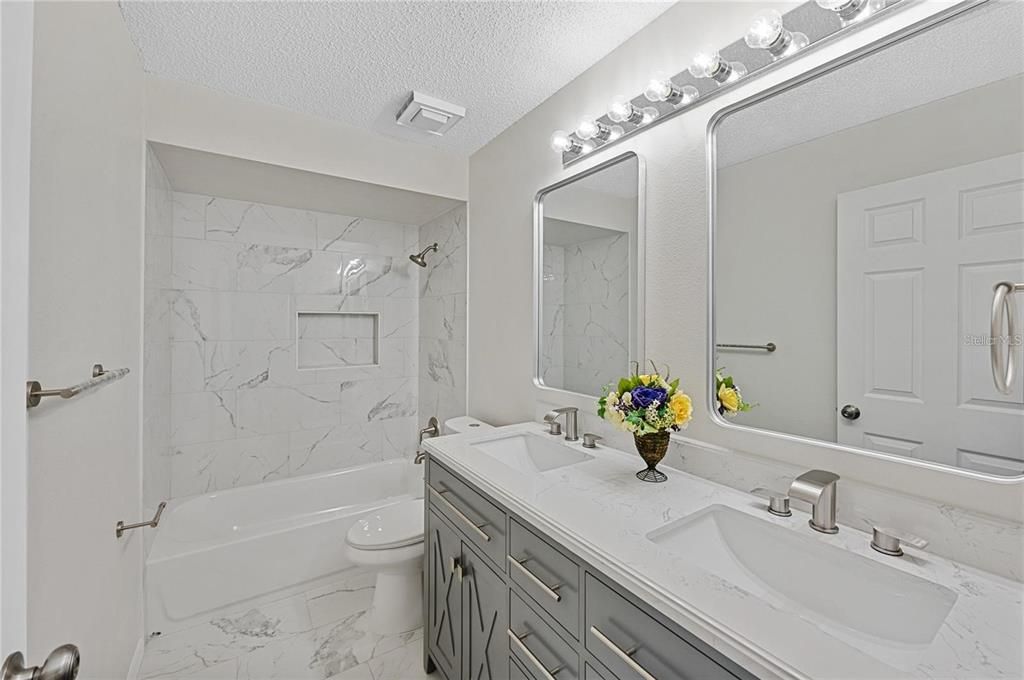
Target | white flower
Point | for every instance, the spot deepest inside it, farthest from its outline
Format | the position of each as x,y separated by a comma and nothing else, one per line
627,398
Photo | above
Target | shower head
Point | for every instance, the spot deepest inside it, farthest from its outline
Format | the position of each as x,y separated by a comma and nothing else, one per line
420,258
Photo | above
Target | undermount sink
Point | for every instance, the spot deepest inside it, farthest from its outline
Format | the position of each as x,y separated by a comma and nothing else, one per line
802,573
530,452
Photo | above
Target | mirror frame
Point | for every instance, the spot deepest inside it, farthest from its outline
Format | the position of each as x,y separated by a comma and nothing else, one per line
905,33
637,310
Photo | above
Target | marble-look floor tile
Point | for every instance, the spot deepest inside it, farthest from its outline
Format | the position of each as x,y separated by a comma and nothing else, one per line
351,594
404,663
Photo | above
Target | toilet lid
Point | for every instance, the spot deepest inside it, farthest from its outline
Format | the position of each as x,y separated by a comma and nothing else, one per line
393,526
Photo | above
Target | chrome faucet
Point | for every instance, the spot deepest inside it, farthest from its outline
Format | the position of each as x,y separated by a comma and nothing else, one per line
818,487
571,421
433,429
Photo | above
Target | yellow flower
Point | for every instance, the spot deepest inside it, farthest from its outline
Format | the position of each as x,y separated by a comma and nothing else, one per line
682,407
729,398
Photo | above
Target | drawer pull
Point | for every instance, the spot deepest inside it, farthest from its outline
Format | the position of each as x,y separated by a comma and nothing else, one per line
461,515
626,657
517,641
550,591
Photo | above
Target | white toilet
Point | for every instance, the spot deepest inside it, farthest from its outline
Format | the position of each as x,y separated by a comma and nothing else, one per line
390,541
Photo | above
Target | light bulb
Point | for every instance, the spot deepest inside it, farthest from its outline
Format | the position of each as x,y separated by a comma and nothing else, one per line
660,88
850,11
711,65
563,143
649,113
765,29
767,32
689,95
621,109
587,129
615,131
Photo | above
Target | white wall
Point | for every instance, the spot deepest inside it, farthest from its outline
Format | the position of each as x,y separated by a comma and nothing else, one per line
15,125
777,225
200,118
505,175
85,297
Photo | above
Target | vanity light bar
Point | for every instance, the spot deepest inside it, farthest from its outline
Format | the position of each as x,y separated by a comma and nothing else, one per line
770,38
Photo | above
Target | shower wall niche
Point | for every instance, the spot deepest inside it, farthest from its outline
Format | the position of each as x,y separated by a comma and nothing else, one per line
284,341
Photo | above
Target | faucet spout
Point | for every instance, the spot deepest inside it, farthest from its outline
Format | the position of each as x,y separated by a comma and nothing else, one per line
571,414
818,487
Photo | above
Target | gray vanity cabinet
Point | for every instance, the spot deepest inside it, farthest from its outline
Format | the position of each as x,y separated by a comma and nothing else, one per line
505,601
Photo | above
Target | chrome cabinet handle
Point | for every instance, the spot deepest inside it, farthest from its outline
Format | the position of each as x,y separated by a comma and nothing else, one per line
887,541
1002,305
461,515
550,591
627,657
517,642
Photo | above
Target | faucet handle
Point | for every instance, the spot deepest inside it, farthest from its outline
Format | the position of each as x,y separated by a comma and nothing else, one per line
778,502
554,427
887,541
590,440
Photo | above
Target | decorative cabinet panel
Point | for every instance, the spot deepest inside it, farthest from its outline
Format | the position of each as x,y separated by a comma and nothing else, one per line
507,602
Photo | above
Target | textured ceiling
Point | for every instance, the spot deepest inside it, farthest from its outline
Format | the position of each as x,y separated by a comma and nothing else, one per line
357,61
980,47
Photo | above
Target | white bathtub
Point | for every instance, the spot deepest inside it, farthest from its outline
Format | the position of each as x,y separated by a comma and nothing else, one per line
241,544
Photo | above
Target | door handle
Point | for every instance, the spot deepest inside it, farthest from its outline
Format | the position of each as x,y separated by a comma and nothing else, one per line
1003,308
62,664
850,412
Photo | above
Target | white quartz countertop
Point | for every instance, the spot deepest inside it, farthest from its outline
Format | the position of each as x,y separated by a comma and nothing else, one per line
600,511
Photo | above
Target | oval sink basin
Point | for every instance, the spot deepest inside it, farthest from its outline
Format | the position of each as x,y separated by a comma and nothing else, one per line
801,573
530,452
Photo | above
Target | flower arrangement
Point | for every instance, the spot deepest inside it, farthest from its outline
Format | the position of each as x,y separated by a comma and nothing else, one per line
728,399
646,404
650,407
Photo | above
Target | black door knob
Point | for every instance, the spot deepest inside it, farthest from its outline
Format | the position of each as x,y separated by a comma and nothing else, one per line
850,412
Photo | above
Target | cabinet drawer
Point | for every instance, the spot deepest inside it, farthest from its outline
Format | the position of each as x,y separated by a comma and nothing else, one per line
546,575
631,644
481,521
537,646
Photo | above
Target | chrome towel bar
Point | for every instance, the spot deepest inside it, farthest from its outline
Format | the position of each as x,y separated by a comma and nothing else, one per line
153,523
34,392
767,347
1003,368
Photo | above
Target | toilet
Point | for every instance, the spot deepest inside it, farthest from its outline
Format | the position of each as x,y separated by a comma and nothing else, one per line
389,541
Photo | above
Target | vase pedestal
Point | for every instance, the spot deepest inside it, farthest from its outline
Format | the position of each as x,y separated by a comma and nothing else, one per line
652,448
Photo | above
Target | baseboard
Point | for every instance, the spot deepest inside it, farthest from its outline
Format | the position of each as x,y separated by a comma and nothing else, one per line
136,667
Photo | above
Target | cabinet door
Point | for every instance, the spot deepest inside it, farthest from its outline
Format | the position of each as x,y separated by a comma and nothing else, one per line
444,597
485,618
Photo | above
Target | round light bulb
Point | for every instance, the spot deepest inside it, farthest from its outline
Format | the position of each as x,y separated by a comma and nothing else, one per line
659,88
690,94
737,71
650,113
764,30
620,110
616,131
797,42
560,141
833,5
704,64
587,129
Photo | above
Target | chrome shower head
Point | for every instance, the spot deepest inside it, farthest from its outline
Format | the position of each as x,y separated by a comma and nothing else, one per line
420,258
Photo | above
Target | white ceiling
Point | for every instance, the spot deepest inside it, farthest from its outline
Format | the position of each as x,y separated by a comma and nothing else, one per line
358,61
981,47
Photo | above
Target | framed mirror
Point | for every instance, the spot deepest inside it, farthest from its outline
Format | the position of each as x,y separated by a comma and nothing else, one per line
588,276
867,230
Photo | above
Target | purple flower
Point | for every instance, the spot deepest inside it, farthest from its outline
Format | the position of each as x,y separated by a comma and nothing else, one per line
645,396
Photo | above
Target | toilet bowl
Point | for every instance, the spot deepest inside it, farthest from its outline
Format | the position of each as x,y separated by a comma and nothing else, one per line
390,542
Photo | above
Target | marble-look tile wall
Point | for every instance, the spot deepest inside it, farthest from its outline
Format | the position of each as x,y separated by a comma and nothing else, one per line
241,411
586,313
156,350
442,352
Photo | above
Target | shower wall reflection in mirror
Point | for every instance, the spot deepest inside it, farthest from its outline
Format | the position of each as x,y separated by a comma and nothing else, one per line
864,220
587,250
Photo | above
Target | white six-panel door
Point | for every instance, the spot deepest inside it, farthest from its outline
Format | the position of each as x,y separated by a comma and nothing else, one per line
916,263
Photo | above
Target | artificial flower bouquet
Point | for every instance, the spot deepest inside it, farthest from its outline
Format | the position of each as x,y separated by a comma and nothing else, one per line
728,399
650,407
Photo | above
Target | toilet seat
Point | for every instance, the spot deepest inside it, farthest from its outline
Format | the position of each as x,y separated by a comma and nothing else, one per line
393,526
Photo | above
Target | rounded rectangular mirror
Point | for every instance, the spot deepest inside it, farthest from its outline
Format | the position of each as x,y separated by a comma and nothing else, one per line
588,278
864,220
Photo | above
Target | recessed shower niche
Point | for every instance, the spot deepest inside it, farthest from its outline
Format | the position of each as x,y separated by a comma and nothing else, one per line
337,339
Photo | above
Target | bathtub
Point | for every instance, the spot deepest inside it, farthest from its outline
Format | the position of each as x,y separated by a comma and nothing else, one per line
238,545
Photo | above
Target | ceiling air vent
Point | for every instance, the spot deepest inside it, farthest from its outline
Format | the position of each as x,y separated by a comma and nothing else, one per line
429,114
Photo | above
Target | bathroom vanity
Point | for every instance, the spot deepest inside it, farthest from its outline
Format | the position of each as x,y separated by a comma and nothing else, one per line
547,560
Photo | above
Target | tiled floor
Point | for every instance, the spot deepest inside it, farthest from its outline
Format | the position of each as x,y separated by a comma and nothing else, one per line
318,635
